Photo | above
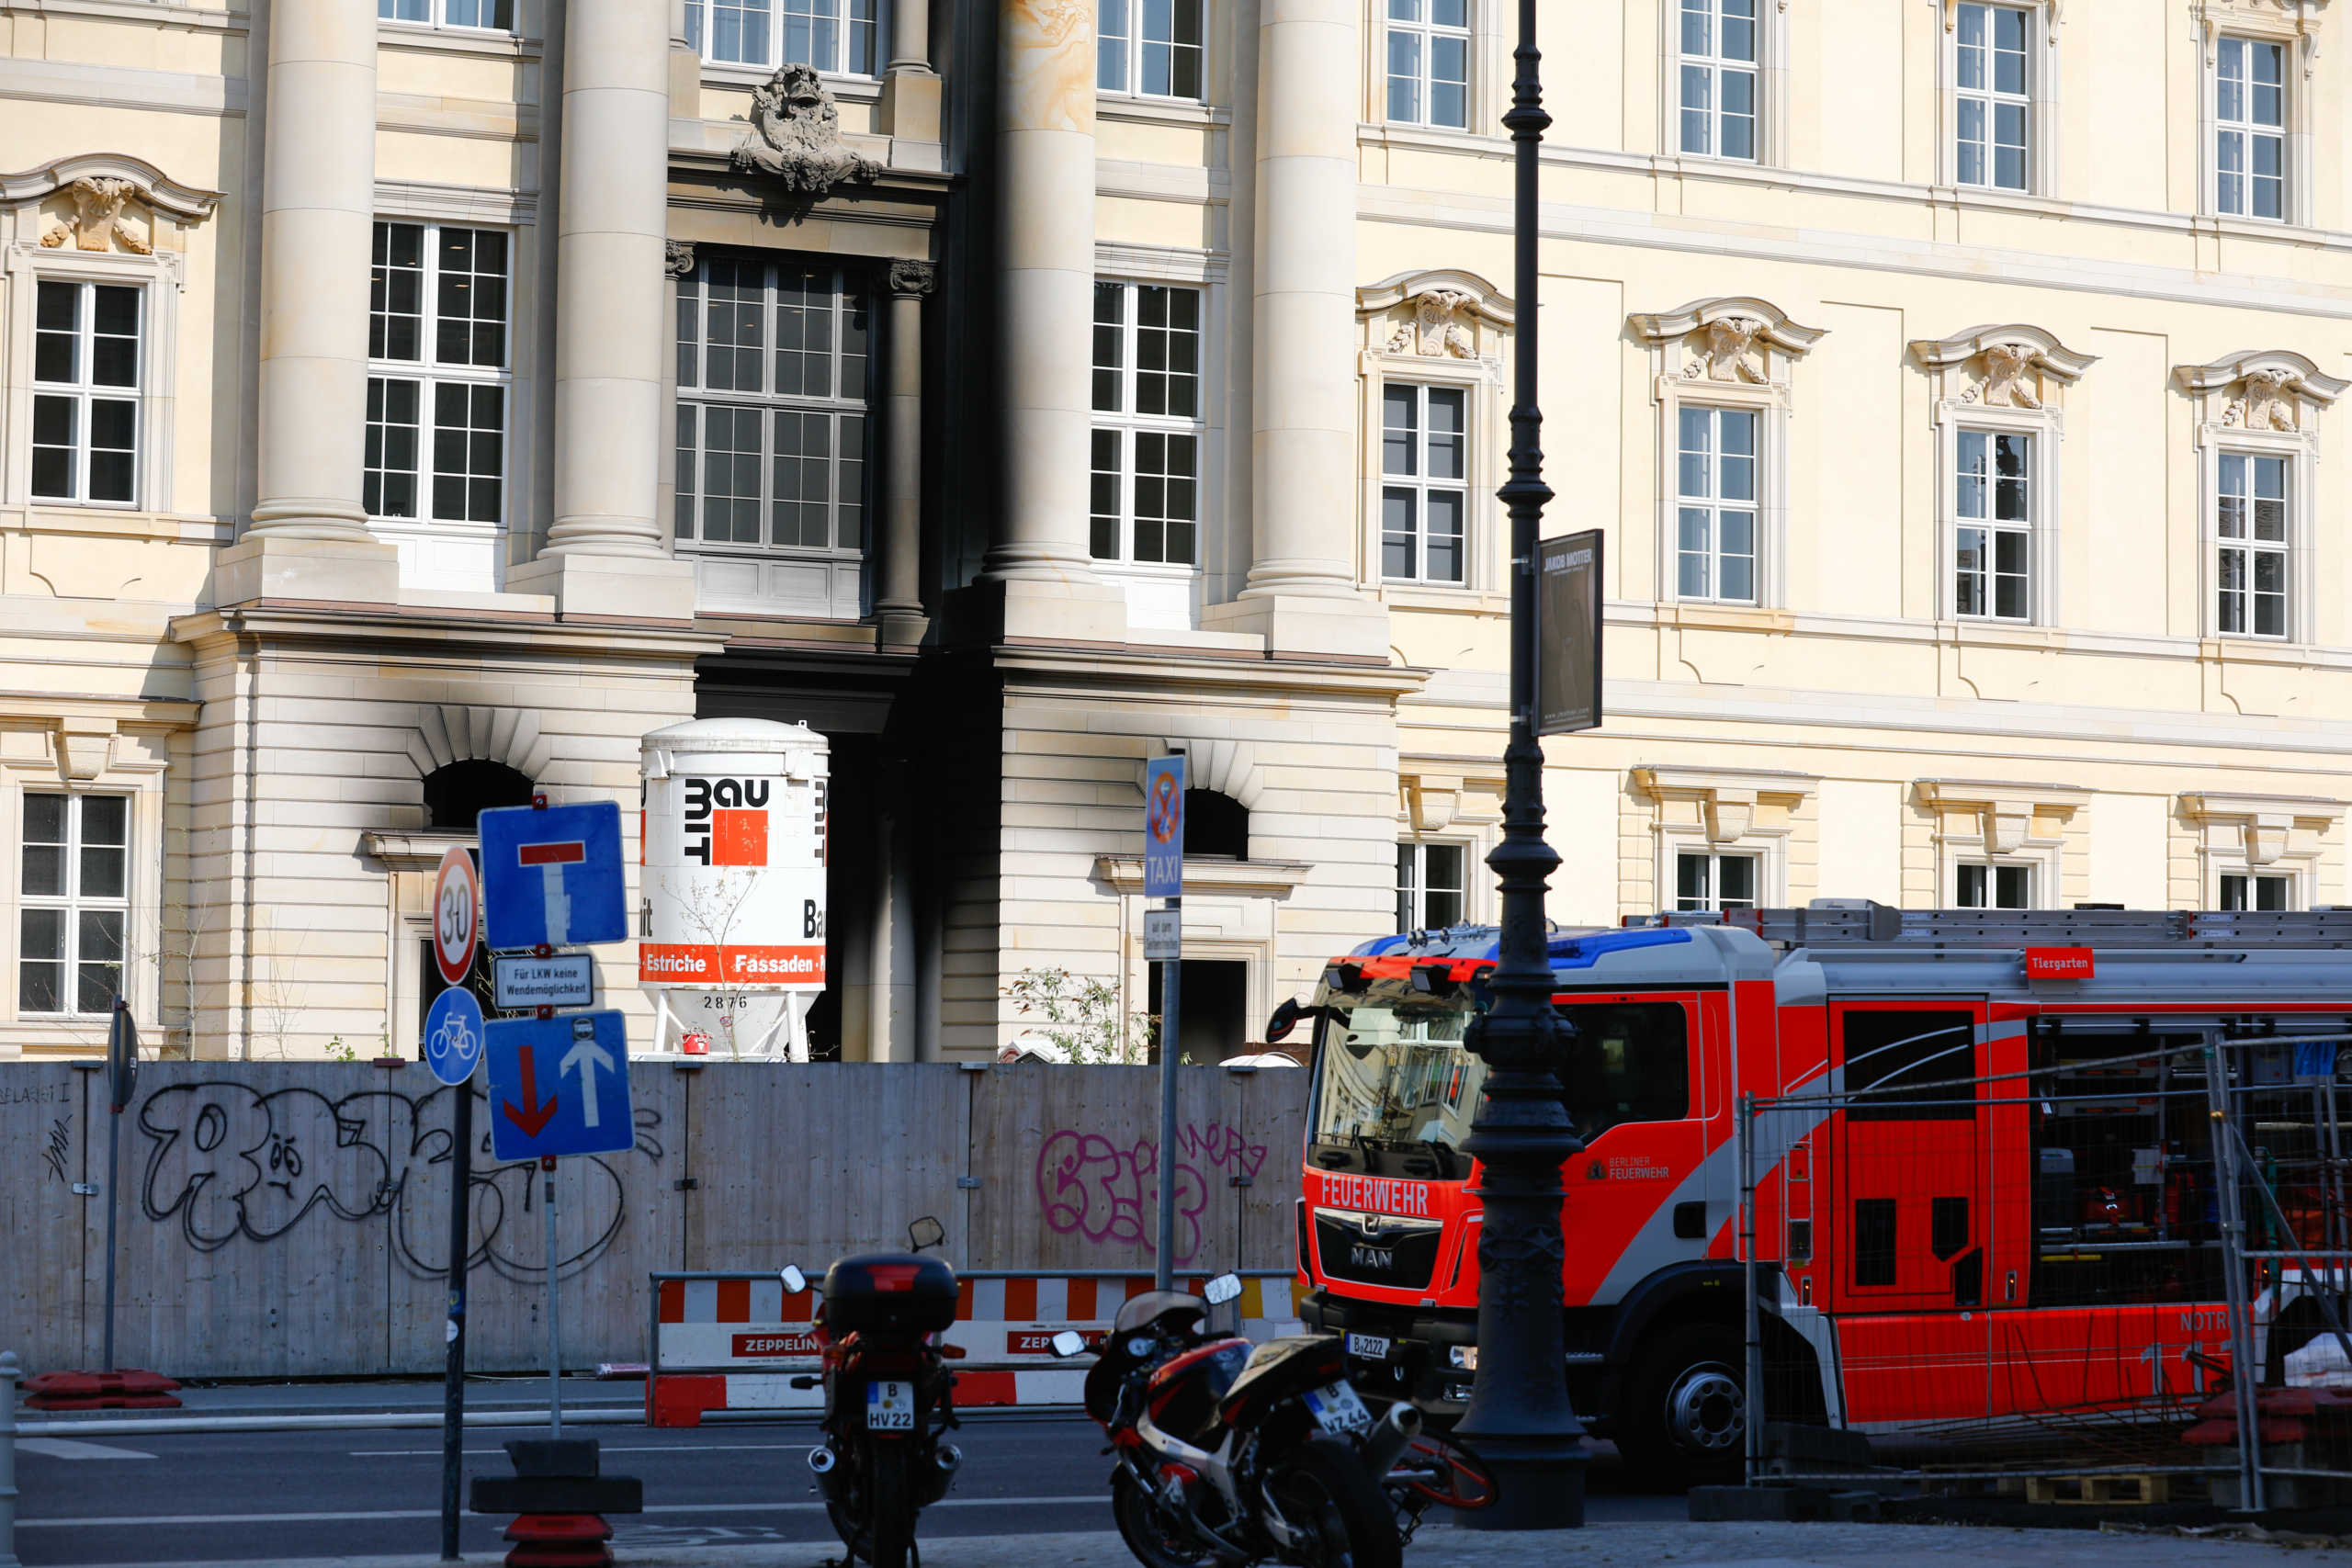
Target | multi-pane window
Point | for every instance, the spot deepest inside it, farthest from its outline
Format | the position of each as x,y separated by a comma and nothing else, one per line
1152,47
2250,128
1429,62
438,378
1704,880
1424,493
73,903
1994,887
1994,75
1715,526
1719,78
1433,885
840,38
2254,890
86,370
1145,482
1993,539
2250,517
774,361
496,15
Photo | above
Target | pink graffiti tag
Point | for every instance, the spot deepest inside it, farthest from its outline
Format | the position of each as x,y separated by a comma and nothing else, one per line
1090,1187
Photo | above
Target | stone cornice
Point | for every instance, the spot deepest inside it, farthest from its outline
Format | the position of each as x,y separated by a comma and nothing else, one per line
2230,806
1091,668
418,851
190,204
1210,878
422,632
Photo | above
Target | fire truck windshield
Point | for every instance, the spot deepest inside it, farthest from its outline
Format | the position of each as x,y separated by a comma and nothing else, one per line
1394,1090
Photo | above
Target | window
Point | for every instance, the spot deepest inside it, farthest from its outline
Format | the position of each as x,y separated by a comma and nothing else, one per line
1995,539
2251,519
840,38
1626,1062
1429,62
1215,825
1994,887
86,364
1432,886
774,361
2250,128
1719,78
2253,890
1715,541
1146,491
1424,493
437,383
1151,46
497,15
1704,880
1993,106
74,889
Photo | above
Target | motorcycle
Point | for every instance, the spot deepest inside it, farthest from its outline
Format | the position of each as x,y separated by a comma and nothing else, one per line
1230,1454
888,1392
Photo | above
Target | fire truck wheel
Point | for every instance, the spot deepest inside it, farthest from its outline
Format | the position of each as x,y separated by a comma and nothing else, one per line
1684,1417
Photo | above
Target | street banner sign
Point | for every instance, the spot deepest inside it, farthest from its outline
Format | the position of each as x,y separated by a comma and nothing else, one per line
552,877
1163,827
456,915
1567,653
453,1035
562,980
1163,936
560,1086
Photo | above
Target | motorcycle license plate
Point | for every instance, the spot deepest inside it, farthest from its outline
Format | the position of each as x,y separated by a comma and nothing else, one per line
889,1407
1371,1347
1336,1408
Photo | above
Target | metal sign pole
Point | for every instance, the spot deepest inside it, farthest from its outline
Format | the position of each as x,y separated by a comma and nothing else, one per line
453,1391
1171,1014
555,1328
114,1141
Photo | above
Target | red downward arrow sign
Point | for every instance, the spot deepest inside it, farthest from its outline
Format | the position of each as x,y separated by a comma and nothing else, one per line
529,1121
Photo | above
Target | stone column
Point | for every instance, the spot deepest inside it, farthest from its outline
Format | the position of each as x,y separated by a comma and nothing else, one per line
1038,565
911,89
604,553
897,599
1301,588
309,536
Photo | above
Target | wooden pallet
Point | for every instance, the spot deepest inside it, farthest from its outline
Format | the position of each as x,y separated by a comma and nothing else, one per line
2099,1489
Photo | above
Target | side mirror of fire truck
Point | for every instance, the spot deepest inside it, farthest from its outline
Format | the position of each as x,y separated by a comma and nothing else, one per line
1285,1019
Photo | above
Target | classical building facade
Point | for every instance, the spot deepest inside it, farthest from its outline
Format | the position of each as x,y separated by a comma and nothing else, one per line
412,403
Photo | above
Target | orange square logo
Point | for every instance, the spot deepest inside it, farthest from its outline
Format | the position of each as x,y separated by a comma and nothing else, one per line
738,837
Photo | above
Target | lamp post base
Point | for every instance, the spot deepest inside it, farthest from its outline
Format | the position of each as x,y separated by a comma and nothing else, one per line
1539,1485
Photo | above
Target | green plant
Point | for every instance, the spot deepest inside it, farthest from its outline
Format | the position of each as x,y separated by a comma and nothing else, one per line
1082,1018
338,1051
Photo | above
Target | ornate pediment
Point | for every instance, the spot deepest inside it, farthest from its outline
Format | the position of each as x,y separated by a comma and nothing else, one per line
1442,314
2007,366
1730,338
795,136
104,201
2274,389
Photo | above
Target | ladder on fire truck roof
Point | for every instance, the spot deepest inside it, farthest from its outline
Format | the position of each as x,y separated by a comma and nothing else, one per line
1858,923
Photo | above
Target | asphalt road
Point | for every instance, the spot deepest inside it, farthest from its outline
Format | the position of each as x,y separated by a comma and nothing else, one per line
220,1497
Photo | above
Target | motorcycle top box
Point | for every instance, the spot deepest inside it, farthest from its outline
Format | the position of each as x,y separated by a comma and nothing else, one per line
888,1291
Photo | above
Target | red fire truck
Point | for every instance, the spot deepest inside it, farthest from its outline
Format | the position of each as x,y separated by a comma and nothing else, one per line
2039,1239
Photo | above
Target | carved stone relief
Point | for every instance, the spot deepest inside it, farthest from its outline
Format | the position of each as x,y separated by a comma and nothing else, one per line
2013,365
1434,332
1730,338
96,221
2267,400
1443,314
1727,351
2275,390
677,257
2007,366
795,136
914,277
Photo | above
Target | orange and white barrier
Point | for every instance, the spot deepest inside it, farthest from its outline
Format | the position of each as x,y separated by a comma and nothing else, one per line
736,1341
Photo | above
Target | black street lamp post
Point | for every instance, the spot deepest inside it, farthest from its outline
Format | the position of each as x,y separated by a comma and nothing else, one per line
1520,1421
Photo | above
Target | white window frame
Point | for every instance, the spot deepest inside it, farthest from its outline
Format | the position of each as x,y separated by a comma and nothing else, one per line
1420,486
1413,886
1723,811
2028,866
73,902
1425,31
159,277
1714,857
1162,592
2294,35
2246,132
2040,100
1130,49
437,14
1714,503
2227,424
2291,878
1713,65
1388,316
702,18
2250,547
1984,441
81,390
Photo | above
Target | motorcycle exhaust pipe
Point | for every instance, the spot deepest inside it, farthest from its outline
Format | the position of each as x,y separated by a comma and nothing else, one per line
1389,1438
948,1458
821,1461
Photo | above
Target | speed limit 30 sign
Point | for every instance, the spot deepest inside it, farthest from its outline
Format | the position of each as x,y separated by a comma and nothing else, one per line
456,915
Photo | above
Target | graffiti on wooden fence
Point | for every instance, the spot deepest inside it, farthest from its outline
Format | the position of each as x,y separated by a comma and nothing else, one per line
1108,1192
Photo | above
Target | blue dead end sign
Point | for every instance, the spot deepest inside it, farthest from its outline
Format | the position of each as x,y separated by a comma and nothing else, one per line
552,877
453,1035
560,1086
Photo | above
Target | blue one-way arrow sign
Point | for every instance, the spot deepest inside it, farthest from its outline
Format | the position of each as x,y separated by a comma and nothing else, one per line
558,1086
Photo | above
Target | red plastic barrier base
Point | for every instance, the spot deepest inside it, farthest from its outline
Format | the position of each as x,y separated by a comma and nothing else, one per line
559,1540
129,1389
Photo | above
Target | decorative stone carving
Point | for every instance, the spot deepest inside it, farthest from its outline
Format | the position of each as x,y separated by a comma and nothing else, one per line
2007,366
677,257
1433,315
1434,333
96,223
915,278
2012,367
1730,339
795,136
2273,389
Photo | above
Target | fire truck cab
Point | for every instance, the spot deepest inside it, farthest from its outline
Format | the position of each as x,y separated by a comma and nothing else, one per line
2006,1174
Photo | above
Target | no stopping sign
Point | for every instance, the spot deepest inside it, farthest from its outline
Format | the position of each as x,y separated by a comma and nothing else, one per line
456,915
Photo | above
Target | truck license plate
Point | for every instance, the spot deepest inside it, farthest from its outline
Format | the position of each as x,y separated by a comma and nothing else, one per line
889,1407
1336,1408
1371,1347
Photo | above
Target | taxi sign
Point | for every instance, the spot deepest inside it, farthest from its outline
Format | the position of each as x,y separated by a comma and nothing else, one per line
1163,827
456,915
